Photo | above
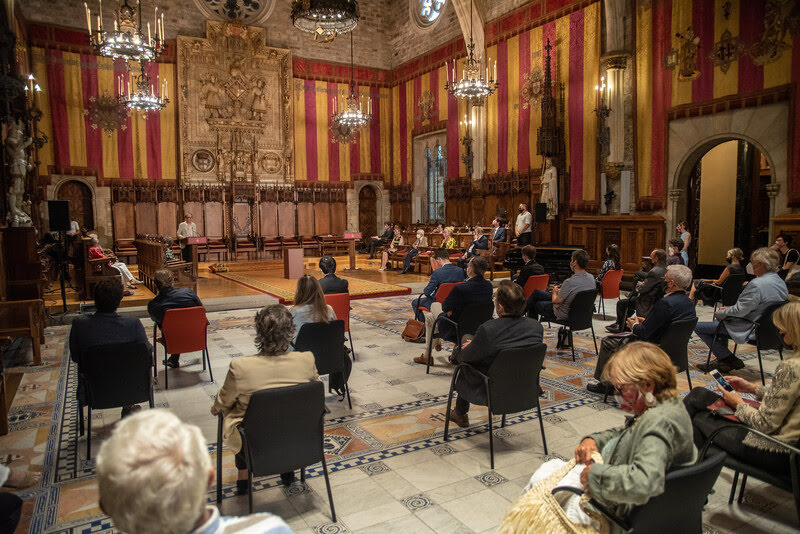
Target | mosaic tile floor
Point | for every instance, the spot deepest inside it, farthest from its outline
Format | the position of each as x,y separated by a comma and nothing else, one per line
391,469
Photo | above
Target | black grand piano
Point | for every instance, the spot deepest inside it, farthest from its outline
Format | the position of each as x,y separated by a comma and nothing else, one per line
554,258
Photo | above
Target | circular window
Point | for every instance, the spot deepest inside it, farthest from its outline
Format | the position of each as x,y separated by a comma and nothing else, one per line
427,12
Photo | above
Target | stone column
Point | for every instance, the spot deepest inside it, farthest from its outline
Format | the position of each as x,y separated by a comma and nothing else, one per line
675,197
615,76
773,190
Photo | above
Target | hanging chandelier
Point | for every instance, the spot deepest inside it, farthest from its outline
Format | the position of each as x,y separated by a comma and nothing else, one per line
472,85
143,95
127,40
346,124
325,18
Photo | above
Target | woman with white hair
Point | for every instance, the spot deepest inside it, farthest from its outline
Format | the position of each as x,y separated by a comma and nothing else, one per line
153,474
421,242
97,252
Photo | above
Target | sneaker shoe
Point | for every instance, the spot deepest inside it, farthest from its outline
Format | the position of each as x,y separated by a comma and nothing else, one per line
601,388
421,359
460,420
173,362
723,366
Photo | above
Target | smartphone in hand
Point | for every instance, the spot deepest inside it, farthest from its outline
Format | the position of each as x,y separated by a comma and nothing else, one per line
720,380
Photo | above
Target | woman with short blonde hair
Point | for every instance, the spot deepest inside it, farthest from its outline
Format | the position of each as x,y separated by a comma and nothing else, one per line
641,364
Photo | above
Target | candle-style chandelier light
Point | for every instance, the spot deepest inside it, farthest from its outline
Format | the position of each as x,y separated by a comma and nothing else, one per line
325,18
472,85
346,123
143,94
129,39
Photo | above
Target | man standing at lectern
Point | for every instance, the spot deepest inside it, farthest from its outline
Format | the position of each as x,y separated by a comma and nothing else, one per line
186,229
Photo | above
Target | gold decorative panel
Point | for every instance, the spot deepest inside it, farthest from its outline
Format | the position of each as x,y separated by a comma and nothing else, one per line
235,106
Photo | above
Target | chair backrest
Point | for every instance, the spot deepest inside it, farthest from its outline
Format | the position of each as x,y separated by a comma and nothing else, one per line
611,282
444,289
581,309
681,505
474,315
768,336
185,329
731,288
537,281
514,378
326,341
117,374
282,428
675,342
340,302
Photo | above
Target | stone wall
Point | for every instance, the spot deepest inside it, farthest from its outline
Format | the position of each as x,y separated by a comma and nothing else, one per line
409,41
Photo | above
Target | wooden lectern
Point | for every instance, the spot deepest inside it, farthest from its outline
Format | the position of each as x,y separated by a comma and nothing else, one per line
292,263
351,248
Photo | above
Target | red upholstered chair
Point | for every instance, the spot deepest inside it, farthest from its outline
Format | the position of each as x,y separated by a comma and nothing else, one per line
184,330
272,245
537,281
340,302
441,293
610,288
246,245
217,245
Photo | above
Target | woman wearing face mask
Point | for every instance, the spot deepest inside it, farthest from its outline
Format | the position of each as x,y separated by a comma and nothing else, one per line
655,439
778,414
674,252
707,289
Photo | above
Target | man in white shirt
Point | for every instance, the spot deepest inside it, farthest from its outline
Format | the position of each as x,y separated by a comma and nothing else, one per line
74,228
523,226
186,229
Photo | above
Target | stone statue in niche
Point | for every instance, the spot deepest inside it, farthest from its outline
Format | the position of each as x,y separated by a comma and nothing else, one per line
550,189
16,145
260,105
211,96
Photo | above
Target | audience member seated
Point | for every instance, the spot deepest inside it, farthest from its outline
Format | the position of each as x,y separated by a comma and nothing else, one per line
789,256
273,367
128,280
531,268
479,242
421,242
448,243
330,283
637,456
644,296
778,414
612,263
510,330
103,327
554,306
443,272
499,232
766,289
474,290
674,252
380,240
708,290
10,504
153,475
168,298
674,307
397,242
310,307
439,229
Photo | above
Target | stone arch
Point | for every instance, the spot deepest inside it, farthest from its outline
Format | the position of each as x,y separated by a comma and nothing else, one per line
381,202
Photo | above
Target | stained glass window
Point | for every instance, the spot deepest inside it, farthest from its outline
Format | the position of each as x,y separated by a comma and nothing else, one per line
429,10
437,170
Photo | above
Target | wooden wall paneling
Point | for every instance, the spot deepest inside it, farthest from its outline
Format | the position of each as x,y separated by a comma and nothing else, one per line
636,235
591,244
489,209
339,218
286,219
305,219
146,218
168,219
629,252
577,235
198,215
124,221
214,219
322,218
242,220
268,215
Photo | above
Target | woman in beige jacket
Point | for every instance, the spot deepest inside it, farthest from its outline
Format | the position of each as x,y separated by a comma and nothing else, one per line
272,367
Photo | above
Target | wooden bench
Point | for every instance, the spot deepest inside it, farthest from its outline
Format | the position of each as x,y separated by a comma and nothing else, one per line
152,258
23,318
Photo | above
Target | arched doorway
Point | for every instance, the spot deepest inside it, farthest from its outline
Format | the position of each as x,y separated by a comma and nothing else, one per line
367,211
80,202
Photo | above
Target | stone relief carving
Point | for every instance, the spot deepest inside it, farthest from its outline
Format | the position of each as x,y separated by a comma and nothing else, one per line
236,109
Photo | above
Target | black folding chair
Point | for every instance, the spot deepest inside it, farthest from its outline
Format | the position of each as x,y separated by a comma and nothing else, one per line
471,318
681,505
112,376
730,290
766,335
326,341
282,430
581,310
675,342
512,385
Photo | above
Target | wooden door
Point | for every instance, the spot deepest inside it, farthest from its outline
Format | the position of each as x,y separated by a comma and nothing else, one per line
80,202
367,211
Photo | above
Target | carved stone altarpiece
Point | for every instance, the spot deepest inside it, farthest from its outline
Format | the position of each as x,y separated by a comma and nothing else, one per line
235,106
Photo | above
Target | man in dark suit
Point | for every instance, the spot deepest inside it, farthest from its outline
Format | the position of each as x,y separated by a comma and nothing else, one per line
479,242
499,232
443,273
531,268
645,294
510,330
168,298
331,284
105,326
474,290
380,240
675,306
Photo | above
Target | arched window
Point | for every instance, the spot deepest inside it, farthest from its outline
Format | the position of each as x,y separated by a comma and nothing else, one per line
437,170
427,11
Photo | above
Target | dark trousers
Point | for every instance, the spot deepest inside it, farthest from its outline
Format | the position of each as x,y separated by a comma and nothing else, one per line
540,304
10,511
625,309
186,253
242,464
524,239
704,423
374,243
409,258
608,347
461,407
